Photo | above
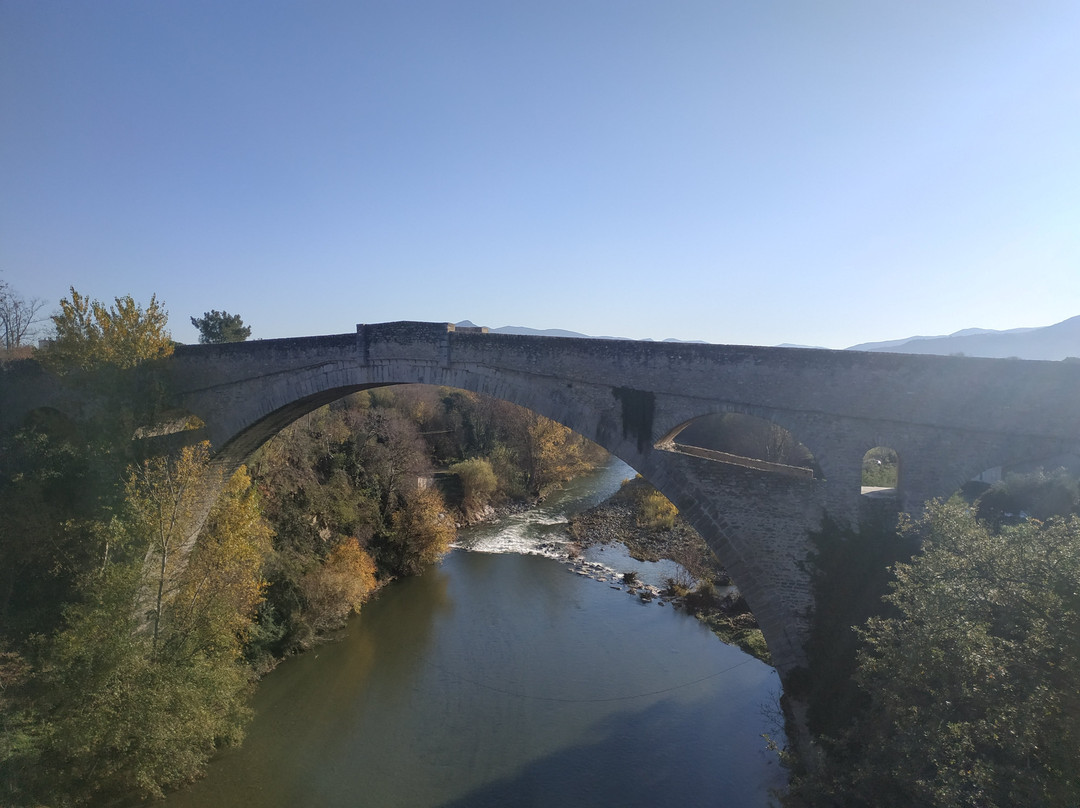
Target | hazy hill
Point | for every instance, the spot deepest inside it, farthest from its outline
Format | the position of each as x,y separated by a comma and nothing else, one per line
1052,342
550,332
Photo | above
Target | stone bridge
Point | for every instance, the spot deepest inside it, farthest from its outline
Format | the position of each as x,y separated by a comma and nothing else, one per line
948,418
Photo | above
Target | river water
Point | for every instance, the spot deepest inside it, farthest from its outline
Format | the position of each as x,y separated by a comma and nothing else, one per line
501,677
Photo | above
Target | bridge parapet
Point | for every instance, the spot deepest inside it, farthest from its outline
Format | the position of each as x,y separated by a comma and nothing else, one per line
415,341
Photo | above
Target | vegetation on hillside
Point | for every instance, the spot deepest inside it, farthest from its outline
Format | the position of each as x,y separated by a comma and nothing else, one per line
122,668
359,474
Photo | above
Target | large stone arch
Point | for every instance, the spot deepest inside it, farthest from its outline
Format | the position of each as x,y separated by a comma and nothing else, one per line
723,504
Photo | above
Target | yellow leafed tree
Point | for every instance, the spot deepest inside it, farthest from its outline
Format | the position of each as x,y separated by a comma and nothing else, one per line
339,586
422,531
166,497
221,585
557,453
89,334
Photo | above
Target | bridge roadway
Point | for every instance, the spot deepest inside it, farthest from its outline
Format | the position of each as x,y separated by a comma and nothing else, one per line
948,418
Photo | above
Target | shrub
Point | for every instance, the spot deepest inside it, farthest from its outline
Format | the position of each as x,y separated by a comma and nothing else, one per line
478,483
656,511
339,586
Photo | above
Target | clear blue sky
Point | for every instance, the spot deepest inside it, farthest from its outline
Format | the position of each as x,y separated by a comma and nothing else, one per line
822,173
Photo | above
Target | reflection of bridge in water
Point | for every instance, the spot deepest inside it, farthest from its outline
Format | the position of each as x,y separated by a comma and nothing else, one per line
948,419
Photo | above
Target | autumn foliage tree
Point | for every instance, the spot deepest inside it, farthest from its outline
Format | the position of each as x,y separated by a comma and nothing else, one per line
221,585
422,531
166,498
90,335
339,586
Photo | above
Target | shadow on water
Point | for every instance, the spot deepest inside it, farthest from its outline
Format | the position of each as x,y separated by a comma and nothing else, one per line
664,765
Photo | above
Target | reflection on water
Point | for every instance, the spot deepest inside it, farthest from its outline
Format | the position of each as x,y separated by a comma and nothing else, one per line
503,679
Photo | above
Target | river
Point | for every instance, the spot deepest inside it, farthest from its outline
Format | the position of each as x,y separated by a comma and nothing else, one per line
501,678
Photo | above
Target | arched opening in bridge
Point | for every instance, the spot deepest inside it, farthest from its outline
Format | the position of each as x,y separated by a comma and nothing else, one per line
354,465
743,440
880,471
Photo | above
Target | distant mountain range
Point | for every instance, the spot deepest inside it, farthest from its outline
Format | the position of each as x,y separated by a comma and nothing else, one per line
550,332
1053,342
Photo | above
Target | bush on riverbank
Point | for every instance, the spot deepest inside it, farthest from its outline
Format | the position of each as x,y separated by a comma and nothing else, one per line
478,485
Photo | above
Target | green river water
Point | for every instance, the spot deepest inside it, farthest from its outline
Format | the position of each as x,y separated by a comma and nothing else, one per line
502,678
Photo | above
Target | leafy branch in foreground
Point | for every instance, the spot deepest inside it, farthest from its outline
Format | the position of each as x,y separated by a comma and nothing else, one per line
974,686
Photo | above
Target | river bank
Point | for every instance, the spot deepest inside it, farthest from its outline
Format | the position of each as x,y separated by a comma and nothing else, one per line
705,590
497,679
503,675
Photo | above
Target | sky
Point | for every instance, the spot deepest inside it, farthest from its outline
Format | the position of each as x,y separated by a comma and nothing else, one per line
817,173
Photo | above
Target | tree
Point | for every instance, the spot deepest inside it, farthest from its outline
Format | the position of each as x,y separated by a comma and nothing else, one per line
554,453
220,326
89,335
165,497
116,709
221,585
122,717
422,531
974,685
1039,495
18,316
339,586
478,483
388,455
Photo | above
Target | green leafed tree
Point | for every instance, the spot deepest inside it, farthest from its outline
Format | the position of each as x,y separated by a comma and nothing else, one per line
974,685
220,326
119,708
478,483
90,335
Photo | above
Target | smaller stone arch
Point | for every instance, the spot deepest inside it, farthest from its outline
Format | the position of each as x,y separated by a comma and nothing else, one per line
743,439
880,475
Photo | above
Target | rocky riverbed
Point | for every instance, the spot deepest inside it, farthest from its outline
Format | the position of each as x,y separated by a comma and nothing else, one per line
704,591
